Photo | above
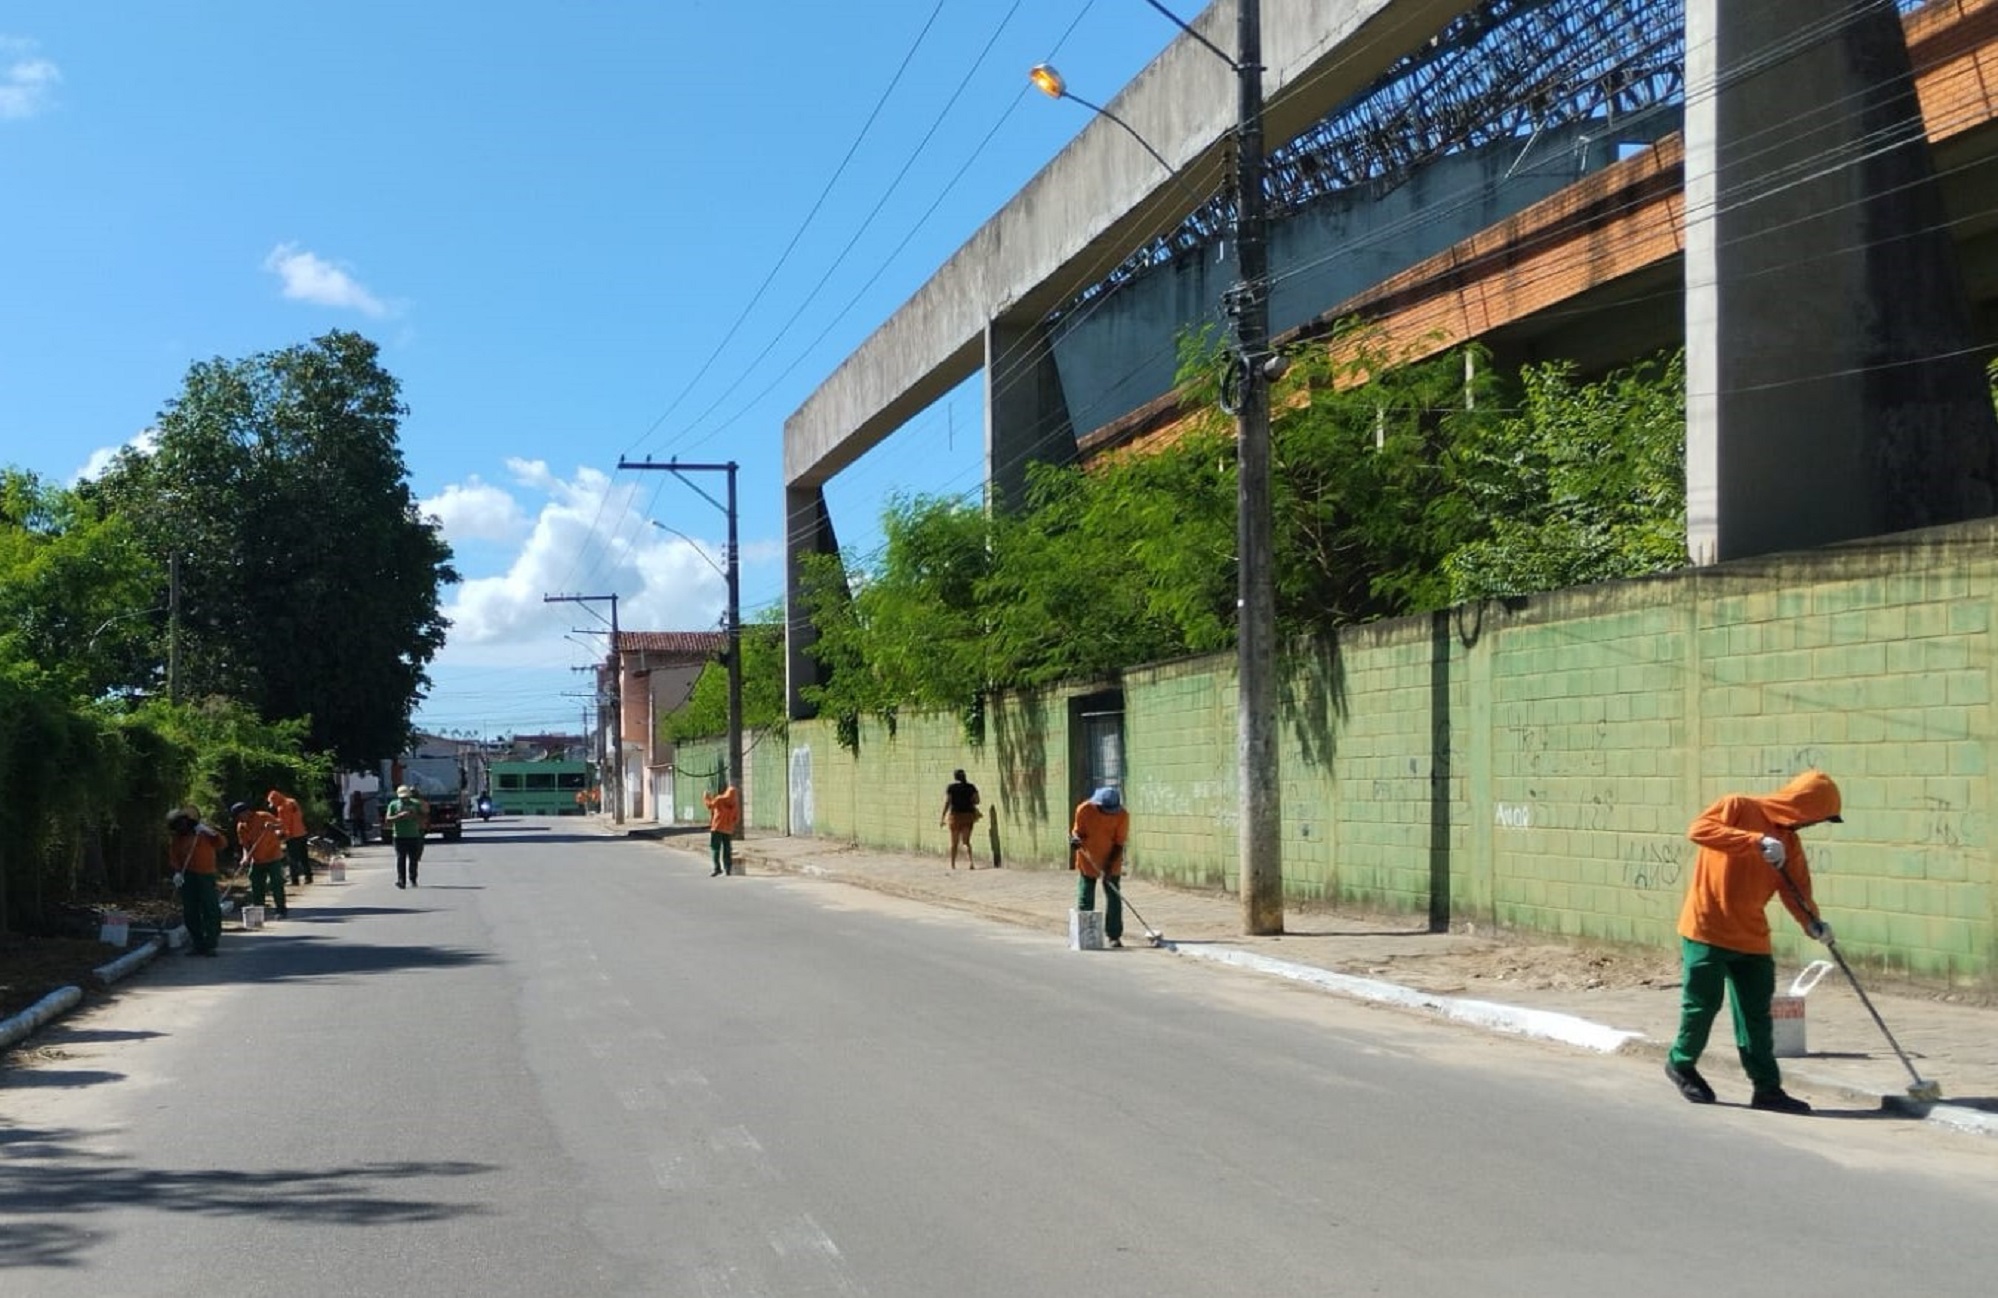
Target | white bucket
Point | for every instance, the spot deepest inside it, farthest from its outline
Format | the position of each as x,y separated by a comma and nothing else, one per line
116,930
336,870
253,917
1786,1012
1085,930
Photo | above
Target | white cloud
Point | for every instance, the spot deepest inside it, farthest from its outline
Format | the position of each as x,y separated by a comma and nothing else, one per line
100,459
27,82
474,510
308,277
588,537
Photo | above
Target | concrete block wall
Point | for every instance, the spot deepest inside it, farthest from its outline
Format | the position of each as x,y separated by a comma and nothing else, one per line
1536,765
693,763
890,793
765,804
1179,747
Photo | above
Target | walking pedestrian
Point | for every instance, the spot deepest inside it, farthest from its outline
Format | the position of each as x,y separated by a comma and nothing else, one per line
407,819
357,816
1096,838
261,839
191,849
291,819
960,813
724,812
1748,848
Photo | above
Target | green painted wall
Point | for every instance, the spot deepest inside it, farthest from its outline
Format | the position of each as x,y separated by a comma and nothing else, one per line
1537,765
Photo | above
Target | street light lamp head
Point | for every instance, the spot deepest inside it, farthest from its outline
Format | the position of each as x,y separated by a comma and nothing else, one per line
1048,81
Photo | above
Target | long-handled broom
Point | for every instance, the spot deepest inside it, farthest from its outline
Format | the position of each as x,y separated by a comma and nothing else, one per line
1922,1090
1152,935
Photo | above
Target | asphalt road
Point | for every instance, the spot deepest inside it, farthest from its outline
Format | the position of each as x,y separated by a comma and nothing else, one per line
572,1065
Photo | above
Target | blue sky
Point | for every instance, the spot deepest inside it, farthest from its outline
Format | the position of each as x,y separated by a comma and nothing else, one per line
550,217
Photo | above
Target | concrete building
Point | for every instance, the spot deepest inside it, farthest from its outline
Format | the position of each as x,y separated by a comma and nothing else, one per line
1814,230
655,673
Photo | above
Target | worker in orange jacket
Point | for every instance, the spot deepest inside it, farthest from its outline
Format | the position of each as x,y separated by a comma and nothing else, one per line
261,839
1096,838
291,818
724,814
191,848
1749,852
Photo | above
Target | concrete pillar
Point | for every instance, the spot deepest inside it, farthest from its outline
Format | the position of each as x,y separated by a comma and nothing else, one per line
1026,415
808,530
1830,388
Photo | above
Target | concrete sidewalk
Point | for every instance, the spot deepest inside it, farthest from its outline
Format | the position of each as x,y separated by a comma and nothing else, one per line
1398,962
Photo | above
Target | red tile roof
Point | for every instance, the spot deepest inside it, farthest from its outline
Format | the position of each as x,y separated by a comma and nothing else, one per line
692,646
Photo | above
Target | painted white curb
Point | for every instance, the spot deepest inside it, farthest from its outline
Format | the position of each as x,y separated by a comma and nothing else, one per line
1546,1025
128,963
56,1002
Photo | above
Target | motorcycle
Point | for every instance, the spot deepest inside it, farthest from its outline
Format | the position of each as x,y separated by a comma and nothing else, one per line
485,807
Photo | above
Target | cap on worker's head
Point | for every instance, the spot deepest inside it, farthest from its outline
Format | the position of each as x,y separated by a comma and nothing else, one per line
404,791
179,814
1108,798
239,808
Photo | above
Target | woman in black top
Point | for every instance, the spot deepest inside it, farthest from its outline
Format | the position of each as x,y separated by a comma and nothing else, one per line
960,812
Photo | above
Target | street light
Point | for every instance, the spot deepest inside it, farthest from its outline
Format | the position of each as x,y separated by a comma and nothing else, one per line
698,549
1259,832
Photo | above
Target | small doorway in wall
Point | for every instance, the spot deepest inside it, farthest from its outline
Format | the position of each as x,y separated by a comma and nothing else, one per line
1096,743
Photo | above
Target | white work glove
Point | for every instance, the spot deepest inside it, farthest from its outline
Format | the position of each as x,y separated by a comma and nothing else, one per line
179,877
1820,931
1773,851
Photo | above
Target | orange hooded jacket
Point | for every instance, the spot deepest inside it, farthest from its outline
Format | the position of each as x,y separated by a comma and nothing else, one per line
724,809
291,816
261,837
1732,882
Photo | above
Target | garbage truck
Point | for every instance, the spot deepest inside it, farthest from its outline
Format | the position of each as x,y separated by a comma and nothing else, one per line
445,775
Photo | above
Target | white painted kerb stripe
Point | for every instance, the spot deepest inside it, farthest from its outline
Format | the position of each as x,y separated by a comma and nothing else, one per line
1545,1025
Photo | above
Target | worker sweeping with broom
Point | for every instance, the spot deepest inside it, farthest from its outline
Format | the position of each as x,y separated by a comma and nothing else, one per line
1749,852
1096,838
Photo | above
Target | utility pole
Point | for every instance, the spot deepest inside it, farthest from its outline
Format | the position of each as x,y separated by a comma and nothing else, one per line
616,763
1260,832
732,574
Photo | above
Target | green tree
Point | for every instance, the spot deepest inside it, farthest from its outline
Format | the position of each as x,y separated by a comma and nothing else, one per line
1398,486
1584,482
705,713
77,591
310,584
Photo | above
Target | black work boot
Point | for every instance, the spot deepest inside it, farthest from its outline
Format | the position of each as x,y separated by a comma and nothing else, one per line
1691,1085
1777,1100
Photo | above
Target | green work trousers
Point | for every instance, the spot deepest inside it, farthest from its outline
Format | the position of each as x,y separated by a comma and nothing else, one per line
1752,978
269,876
1113,905
721,846
201,910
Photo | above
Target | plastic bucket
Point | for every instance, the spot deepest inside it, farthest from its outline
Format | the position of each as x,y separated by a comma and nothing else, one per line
253,917
116,930
1085,930
336,870
1786,1012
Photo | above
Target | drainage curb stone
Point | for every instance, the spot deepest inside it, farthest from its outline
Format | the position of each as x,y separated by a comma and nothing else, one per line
46,1010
